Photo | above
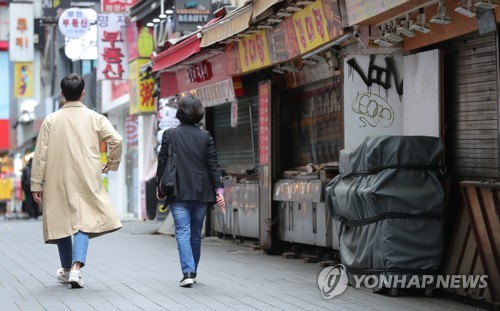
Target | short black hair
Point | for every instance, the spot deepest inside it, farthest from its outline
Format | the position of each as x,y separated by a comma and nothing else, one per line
72,86
190,110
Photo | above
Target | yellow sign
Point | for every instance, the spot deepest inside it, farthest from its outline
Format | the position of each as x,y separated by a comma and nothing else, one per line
311,27
141,89
23,80
254,52
145,45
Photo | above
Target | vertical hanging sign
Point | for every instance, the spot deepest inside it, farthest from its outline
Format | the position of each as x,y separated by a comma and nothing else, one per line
142,88
264,98
21,48
112,60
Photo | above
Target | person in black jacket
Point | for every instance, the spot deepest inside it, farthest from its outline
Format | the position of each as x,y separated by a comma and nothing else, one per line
199,182
29,203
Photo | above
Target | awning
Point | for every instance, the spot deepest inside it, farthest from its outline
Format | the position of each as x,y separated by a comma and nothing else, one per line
233,23
177,53
259,6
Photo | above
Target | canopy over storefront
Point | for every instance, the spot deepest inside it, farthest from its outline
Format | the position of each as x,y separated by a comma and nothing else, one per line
178,52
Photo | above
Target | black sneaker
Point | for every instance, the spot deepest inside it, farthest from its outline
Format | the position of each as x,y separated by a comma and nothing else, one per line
187,280
194,277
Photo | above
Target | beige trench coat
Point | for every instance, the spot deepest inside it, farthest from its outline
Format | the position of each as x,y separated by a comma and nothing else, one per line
67,168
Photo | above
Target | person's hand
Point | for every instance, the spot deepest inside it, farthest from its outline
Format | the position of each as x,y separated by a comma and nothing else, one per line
221,203
158,194
37,196
105,168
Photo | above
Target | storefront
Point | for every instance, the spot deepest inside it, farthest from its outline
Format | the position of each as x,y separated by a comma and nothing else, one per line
450,73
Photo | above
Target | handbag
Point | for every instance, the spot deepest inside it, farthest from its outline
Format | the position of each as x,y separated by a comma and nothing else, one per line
168,181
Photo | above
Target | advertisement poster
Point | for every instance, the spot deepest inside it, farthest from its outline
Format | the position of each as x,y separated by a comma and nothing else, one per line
23,80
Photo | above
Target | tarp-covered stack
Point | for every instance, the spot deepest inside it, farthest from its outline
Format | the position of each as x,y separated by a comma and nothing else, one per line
390,201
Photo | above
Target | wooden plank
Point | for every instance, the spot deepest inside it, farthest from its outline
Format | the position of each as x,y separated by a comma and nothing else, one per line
490,213
479,293
467,260
475,207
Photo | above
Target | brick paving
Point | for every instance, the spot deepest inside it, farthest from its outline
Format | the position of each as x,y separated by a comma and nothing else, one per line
135,270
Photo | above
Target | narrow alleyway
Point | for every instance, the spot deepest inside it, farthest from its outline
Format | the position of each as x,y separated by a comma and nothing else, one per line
135,270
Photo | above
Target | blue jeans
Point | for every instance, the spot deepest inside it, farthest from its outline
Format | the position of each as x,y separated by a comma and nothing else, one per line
70,253
188,219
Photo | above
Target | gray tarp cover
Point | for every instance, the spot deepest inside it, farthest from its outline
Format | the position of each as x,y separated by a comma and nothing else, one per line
390,201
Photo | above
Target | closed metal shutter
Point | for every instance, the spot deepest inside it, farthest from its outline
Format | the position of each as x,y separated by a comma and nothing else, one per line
236,147
471,107
311,124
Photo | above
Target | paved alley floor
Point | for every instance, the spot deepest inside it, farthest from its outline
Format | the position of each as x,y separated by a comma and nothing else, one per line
134,270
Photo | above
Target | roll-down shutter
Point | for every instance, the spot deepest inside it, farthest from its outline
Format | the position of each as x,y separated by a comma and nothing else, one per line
471,109
236,145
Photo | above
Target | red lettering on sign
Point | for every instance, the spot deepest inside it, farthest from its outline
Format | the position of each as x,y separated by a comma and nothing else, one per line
318,19
302,37
310,28
146,90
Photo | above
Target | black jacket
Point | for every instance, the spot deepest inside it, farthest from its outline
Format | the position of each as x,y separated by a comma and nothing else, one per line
26,178
198,172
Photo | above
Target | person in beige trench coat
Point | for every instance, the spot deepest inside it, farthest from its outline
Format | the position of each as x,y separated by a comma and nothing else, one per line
67,170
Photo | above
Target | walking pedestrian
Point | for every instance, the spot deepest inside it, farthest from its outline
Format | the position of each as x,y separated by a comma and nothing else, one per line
199,182
31,207
67,171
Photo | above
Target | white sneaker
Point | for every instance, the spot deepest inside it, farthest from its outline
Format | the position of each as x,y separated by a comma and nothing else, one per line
62,276
75,279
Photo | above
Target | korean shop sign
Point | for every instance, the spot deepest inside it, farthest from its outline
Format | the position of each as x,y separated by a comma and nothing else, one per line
21,28
111,34
200,72
311,27
74,23
142,88
253,51
191,13
117,6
